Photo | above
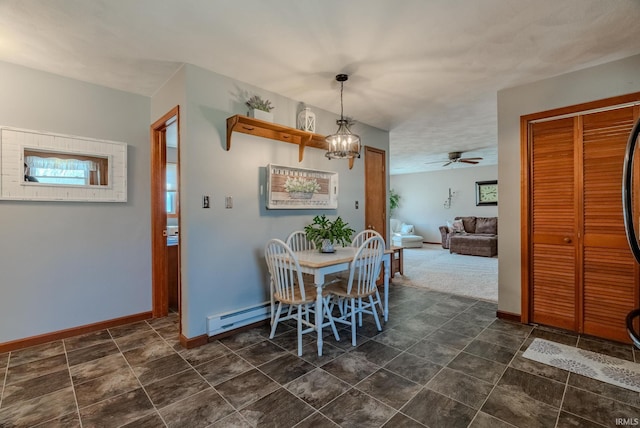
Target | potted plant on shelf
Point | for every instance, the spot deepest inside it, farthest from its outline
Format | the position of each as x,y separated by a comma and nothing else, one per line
326,233
260,109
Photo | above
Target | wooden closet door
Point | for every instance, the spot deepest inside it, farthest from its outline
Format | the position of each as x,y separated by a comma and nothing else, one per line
610,279
554,267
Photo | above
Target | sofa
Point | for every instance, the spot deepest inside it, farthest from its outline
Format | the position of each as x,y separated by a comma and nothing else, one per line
474,236
403,235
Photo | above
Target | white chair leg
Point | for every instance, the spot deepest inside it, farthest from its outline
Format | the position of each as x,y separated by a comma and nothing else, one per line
299,330
328,308
360,311
374,311
353,322
275,321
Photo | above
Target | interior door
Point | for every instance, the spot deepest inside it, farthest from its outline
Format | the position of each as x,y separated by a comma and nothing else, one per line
554,212
610,288
375,190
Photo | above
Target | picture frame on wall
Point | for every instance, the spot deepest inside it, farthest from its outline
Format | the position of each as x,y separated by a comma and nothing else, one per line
487,192
301,188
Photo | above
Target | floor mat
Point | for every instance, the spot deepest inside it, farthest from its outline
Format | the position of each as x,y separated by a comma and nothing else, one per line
622,373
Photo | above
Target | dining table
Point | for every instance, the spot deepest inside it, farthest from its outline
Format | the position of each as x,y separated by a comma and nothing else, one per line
321,264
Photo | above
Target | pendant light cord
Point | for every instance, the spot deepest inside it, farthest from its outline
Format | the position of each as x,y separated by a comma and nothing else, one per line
341,104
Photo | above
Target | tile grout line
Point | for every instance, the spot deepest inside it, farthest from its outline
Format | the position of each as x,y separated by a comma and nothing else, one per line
507,365
73,386
4,378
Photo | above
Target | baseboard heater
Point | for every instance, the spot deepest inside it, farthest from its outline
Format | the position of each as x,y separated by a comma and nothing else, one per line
227,321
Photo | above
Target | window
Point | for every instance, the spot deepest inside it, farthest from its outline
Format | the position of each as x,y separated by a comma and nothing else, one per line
65,168
172,190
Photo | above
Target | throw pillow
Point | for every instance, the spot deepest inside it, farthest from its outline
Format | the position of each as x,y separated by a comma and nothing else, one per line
406,229
458,226
449,227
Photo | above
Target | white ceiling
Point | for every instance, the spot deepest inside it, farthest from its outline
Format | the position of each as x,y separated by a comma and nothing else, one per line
426,70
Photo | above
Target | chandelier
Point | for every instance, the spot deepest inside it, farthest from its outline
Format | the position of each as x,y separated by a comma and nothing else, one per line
343,144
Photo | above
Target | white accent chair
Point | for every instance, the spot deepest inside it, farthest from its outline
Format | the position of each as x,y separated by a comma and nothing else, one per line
359,294
288,288
403,235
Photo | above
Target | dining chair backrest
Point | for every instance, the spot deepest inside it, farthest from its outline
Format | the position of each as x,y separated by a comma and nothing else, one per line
365,268
359,239
284,270
298,241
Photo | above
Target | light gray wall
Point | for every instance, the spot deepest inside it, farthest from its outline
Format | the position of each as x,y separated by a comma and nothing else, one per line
68,264
222,249
603,81
422,197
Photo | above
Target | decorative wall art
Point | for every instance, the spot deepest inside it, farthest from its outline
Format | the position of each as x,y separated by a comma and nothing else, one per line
301,188
38,166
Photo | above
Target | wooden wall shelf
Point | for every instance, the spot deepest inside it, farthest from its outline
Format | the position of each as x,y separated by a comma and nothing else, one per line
273,131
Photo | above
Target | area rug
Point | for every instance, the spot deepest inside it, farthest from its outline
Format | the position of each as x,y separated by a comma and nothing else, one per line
622,373
435,268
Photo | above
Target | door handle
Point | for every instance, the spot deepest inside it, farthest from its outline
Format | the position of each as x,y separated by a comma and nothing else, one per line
567,240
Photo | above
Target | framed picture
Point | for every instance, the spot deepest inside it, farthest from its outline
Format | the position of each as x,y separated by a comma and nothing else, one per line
301,188
487,192
43,166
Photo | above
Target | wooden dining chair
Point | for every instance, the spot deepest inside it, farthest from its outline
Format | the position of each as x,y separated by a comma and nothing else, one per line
359,293
291,292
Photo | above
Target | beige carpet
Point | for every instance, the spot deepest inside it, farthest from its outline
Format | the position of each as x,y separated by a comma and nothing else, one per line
435,268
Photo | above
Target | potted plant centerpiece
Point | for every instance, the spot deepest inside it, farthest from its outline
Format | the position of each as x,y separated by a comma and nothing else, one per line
325,233
260,109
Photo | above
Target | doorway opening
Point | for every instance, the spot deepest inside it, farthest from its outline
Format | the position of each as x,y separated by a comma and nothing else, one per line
165,214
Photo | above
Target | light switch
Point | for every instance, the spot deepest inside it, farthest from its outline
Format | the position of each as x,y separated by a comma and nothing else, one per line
205,201
357,204
228,202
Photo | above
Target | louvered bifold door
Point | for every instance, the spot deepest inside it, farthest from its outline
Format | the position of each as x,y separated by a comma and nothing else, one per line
610,279
554,226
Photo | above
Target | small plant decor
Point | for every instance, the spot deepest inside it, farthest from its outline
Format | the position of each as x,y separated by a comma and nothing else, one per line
257,103
325,233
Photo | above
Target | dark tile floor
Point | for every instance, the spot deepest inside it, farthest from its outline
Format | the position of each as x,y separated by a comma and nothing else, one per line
441,361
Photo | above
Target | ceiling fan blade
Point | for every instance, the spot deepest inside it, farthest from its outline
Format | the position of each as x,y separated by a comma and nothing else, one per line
448,163
471,159
468,161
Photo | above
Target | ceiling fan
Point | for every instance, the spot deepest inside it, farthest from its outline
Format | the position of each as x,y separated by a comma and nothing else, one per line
456,157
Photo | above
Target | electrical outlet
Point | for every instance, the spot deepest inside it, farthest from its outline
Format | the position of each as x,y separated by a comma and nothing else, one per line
205,201
357,204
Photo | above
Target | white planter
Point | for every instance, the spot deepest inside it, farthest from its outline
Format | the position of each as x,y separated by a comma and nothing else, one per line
267,116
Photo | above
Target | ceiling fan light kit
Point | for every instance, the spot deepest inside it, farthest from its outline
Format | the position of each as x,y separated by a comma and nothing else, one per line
344,144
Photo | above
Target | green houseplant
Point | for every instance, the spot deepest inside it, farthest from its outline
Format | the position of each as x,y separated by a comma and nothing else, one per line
325,233
259,108
257,103
394,200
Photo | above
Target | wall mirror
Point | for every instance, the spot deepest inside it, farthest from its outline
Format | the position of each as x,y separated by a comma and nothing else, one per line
54,167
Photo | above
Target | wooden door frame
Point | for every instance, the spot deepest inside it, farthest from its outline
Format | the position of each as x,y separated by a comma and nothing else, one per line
525,185
159,256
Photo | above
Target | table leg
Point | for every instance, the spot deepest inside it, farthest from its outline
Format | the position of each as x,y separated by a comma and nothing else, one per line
387,272
319,311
